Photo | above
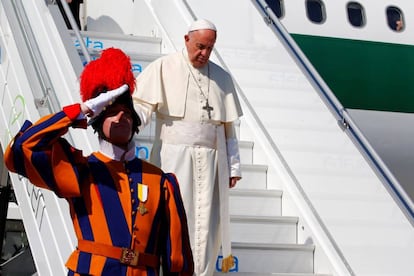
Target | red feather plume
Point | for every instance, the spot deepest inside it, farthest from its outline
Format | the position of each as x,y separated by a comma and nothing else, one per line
111,70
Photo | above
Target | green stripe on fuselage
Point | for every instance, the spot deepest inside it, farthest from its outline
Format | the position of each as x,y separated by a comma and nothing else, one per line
364,74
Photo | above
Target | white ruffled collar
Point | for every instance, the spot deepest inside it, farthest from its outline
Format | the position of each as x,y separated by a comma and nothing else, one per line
117,153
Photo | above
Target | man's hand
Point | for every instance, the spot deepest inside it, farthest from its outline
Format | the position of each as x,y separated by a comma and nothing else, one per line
94,107
233,181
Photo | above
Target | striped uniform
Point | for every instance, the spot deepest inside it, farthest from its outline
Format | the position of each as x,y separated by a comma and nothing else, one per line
103,195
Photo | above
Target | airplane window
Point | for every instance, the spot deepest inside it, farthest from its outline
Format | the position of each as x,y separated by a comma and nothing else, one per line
356,14
316,11
395,19
276,6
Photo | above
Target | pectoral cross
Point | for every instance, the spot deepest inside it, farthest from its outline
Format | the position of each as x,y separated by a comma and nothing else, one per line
208,108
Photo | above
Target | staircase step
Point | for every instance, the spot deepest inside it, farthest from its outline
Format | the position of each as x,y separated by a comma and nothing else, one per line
253,176
13,211
142,50
272,258
128,43
255,229
254,202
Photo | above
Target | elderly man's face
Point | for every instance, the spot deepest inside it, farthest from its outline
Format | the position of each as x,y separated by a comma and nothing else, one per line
199,45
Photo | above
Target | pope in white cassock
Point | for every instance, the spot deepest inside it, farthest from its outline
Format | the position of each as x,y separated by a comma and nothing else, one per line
196,106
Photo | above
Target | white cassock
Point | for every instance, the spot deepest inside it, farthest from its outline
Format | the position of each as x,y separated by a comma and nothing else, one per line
195,142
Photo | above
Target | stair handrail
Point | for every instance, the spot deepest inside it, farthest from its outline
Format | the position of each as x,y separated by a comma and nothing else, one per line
398,193
76,30
44,98
46,102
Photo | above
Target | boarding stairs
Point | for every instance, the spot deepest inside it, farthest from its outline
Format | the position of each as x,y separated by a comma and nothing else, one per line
284,217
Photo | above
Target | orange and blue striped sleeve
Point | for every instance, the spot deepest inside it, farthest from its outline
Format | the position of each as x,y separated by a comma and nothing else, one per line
39,153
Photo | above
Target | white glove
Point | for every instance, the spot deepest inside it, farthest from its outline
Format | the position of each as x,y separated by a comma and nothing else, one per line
99,103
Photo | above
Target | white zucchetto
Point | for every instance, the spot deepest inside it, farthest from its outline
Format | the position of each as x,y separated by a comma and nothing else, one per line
202,24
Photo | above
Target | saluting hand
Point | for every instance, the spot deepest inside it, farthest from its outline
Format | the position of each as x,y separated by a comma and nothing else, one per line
95,106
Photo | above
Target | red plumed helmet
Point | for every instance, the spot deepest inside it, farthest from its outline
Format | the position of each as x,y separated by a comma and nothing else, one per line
111,70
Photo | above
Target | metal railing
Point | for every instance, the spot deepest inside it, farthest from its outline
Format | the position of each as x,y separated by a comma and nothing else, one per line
76,30
403,200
